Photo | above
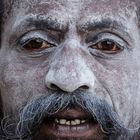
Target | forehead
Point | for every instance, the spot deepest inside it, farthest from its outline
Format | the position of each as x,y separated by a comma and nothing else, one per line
76,9
65,14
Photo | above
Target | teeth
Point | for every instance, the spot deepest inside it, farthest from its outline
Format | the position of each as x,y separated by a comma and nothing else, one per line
56,120
83,121
77,121
62,121
69,122
73,123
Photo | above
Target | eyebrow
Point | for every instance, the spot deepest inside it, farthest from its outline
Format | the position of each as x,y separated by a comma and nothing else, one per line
41,23
49,23
101,24
104,24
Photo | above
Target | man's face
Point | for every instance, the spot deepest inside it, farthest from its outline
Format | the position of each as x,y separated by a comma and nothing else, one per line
71,49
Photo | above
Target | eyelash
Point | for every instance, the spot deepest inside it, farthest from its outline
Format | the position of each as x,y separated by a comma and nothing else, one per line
104,51
35,44
98,45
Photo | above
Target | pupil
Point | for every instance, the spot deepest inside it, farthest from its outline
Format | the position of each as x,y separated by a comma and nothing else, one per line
36,44
107,45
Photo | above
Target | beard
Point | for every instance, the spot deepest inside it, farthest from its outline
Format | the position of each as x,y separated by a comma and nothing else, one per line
28,125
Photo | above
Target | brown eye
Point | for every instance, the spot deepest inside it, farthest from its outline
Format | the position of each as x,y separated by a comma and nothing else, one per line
108,47
37,44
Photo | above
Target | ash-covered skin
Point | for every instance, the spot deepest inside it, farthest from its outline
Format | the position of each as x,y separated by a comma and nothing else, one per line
71,65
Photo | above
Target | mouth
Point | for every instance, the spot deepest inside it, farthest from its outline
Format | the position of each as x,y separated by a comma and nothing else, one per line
70,123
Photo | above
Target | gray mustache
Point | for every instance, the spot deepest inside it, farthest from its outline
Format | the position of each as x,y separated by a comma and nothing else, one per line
33,113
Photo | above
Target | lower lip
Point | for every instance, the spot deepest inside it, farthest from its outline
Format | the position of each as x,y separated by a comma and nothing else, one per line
87,130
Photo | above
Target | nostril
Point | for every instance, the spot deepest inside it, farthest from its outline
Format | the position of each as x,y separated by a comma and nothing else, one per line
53,86
84,87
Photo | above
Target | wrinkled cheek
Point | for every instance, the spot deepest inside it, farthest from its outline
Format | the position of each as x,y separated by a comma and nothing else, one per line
12,72
20,84
121,90
115,81
12,87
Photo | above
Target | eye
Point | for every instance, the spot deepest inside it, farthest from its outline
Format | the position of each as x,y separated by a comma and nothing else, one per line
107,46
37,44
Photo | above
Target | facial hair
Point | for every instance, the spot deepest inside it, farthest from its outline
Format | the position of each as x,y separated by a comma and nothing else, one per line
34,112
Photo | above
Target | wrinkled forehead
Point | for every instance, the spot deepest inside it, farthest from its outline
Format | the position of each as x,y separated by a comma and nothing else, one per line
76,9
74,12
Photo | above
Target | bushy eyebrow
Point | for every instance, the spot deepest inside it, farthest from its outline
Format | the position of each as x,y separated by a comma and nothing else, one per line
48,23
56,25
102,25
40,23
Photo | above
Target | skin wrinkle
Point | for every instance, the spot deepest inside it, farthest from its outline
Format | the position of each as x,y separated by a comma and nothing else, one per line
51,107
70,68
113,81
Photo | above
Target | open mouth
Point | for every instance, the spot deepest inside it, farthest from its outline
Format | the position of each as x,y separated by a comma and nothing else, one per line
70,123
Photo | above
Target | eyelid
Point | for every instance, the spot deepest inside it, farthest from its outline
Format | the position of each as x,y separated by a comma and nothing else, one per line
106,36
26,41
118,44
108,52
33,35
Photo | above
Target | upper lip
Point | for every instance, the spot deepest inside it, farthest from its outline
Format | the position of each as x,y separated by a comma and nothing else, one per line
72,113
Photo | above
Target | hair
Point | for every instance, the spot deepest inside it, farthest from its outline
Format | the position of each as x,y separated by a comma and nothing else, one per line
1,14
5,8
85,102
138,11
33,114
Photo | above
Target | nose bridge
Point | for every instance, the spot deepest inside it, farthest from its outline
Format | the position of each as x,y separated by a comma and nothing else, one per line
69,70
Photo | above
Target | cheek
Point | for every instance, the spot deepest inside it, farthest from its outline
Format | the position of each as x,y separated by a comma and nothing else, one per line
119,76
21,82
120,80
11,87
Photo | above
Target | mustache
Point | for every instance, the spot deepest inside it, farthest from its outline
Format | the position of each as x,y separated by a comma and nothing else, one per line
34,112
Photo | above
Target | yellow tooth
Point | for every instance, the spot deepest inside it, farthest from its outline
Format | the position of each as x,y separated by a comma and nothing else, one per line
73,123
68,122
83,121
77,121
62,121
56,120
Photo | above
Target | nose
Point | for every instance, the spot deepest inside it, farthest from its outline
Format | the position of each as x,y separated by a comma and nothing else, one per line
69,81
69,72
